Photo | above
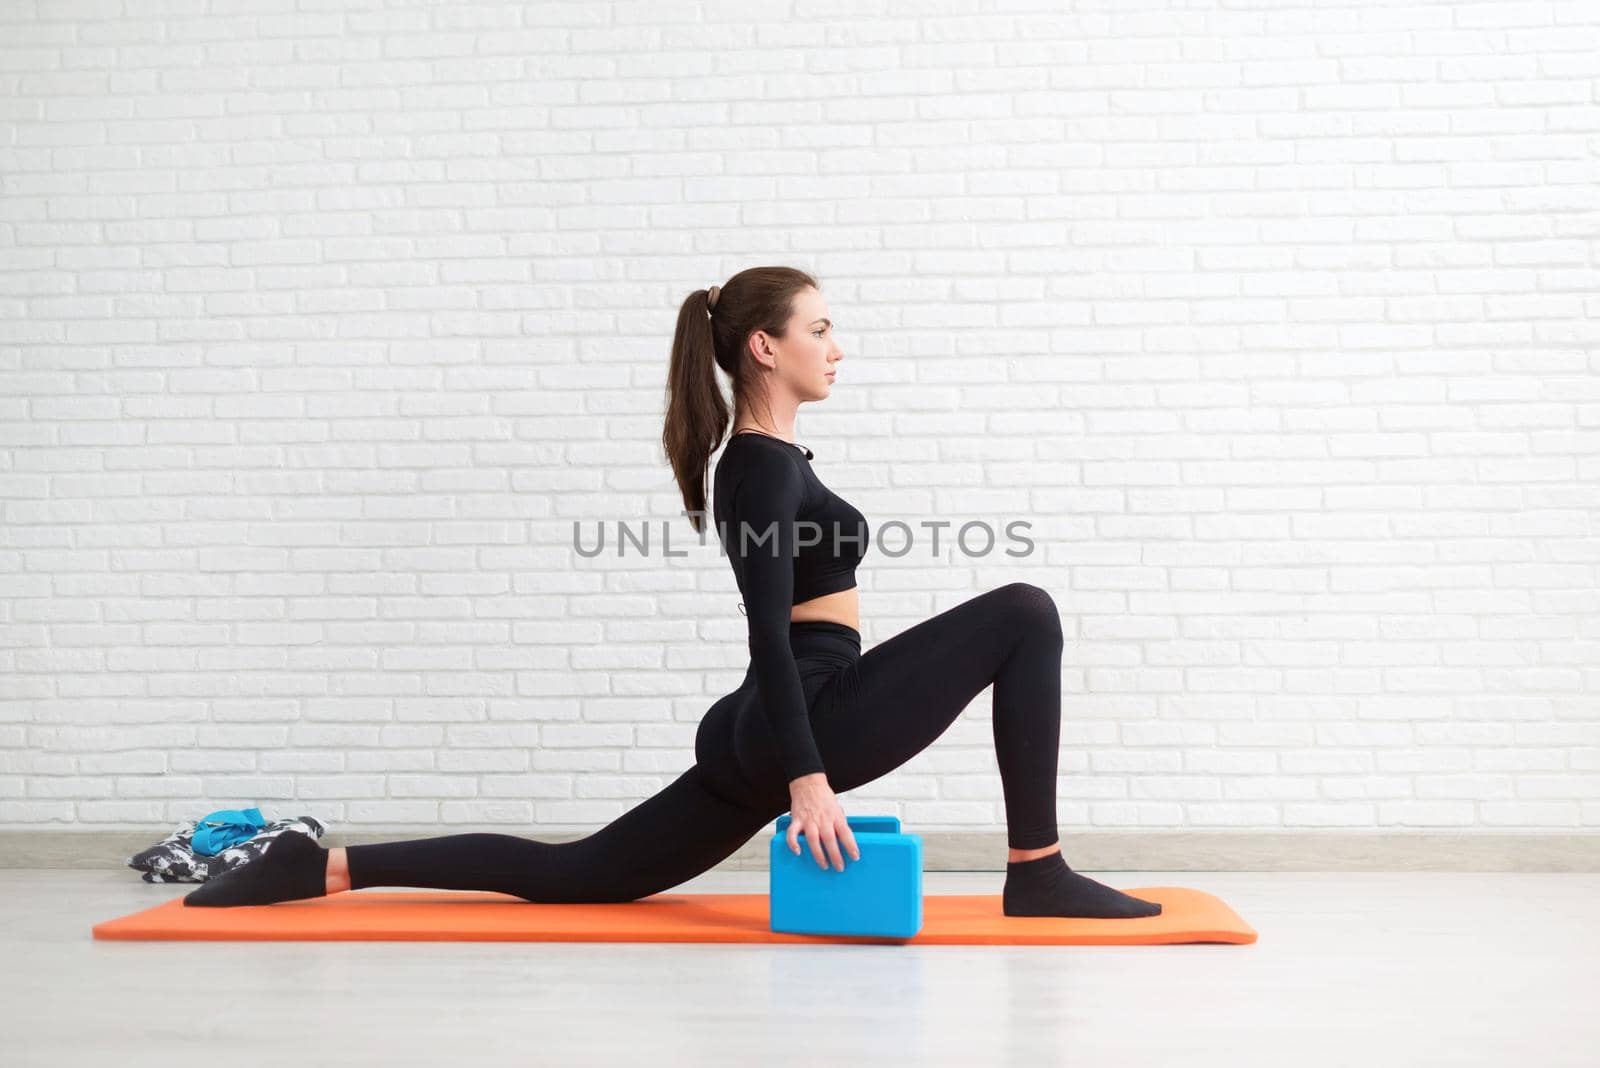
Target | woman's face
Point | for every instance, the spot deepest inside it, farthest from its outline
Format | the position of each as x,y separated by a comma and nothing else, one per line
803,360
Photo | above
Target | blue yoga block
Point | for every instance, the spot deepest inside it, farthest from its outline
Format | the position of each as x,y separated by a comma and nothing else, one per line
879,895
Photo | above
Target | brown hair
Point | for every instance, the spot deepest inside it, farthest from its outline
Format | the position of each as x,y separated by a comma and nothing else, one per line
759,298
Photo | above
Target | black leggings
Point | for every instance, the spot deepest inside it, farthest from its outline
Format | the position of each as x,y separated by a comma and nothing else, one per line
870,713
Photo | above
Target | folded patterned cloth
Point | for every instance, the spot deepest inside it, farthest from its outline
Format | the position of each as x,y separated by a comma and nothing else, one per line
174,859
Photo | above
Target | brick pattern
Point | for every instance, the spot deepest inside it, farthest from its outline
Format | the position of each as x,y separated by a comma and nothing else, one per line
321,325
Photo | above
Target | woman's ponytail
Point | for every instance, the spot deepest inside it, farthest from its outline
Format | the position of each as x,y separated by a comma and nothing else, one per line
697,413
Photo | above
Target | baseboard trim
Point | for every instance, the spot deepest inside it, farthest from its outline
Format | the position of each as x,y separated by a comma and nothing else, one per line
1528,851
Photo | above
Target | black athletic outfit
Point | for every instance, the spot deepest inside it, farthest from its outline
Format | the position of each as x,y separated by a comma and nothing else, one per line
811,701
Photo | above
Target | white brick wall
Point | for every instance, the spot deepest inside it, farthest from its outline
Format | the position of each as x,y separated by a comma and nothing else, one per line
320,324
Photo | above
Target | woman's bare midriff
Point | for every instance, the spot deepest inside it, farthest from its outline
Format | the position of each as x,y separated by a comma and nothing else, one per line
842,607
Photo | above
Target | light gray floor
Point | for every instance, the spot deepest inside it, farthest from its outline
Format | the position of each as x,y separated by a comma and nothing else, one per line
1350,969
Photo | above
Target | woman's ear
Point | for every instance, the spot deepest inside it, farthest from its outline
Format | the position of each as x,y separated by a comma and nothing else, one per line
761,350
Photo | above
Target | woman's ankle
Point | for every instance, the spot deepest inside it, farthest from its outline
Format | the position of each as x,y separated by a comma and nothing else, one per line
338,879
1017,856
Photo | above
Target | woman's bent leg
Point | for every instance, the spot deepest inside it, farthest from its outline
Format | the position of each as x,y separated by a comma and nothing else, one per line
904,693
879,712
681,832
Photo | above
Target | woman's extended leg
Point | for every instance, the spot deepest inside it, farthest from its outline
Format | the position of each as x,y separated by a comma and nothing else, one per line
667,839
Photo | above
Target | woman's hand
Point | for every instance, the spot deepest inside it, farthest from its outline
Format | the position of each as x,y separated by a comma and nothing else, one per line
814,811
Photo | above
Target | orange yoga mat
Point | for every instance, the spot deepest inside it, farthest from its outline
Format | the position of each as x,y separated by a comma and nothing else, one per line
462,916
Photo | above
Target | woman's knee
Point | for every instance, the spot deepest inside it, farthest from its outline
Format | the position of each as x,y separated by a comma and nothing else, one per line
1030,608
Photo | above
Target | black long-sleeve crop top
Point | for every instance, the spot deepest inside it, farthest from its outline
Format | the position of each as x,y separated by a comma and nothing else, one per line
790,539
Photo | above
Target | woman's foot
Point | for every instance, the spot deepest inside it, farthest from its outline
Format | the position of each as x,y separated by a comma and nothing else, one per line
292,867
1046,886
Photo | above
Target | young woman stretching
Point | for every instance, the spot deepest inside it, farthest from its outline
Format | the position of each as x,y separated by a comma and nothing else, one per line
813,714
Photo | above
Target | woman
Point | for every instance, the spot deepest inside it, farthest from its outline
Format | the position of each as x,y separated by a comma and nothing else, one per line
814,714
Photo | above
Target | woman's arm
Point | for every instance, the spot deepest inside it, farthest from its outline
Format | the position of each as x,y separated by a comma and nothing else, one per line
761,535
